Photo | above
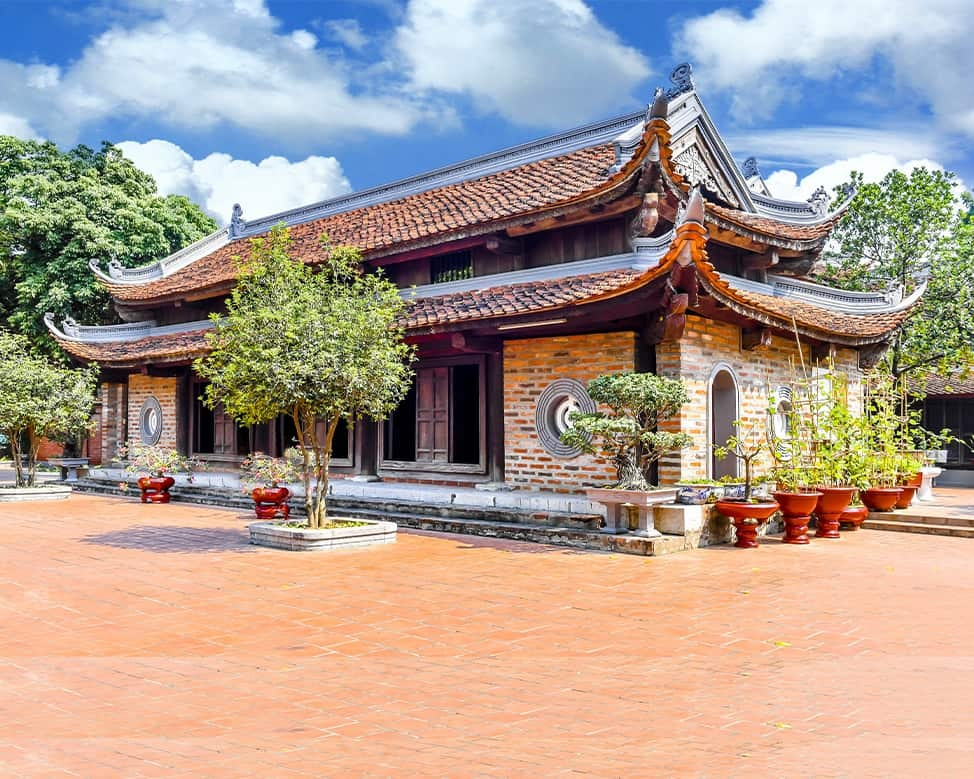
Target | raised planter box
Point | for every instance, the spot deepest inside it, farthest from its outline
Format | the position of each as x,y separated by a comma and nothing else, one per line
296,539
52,492
619,502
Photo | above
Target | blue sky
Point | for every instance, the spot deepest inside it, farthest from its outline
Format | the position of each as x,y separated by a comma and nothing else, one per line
278,103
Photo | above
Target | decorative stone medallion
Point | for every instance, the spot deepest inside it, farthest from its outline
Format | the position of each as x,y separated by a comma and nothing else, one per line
556,403
150,421
779,424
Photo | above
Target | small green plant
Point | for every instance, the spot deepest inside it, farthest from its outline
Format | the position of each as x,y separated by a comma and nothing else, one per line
747,446
629,434
157,460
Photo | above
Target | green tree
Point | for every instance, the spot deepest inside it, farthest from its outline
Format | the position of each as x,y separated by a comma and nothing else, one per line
40,400
61,209
628,434
896,232
319,344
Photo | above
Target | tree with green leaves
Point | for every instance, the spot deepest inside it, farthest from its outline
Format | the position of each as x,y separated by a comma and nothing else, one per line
629,434
38,400
61,209
319,344
896,233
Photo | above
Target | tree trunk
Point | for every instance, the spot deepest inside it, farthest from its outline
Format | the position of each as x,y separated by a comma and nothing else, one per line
15,456
305,463
629,474
35,445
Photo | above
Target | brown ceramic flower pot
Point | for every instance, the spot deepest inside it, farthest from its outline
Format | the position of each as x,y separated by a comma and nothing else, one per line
880,498
852,517
906,496
829,509
796,508
740,512
155,489
915,480
271,501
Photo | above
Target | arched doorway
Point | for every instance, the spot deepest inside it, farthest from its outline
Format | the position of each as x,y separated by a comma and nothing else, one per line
724,410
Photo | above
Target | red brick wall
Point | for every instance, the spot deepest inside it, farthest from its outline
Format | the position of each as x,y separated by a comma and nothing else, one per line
165,390
49,448
530,365
707,343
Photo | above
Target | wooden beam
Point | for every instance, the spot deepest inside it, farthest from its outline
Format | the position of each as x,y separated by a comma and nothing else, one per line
498,244
760,261
755,340
576,217
464,342
824,352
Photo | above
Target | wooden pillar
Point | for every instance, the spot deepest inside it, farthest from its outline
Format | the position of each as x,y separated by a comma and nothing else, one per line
495,415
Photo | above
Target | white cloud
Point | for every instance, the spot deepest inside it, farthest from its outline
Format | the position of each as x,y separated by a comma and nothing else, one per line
218,180
348,32
18,127
538,62
786,184
765,54
823,144
200,64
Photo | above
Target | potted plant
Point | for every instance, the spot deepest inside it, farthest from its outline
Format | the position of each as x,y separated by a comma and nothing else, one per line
628,435
747,512
154,464
909,467
697,492
882,425
264,477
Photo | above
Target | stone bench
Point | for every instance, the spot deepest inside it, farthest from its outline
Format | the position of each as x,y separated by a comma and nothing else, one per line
70,466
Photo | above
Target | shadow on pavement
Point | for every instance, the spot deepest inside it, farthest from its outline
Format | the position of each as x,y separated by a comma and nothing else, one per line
170,538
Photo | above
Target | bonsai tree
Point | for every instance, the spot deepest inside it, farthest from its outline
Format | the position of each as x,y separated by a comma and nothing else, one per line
157,460
319,344
38,400
628,433
747,446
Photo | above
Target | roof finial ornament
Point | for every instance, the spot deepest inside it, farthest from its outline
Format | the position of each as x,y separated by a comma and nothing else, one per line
237,223
692,211
660,106
820,201
750,168
682,78
115,268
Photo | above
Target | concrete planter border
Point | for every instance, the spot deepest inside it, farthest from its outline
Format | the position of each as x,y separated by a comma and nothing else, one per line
295,539
52,492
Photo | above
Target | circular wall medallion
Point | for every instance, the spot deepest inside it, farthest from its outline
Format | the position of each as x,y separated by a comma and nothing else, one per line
150,421
555,404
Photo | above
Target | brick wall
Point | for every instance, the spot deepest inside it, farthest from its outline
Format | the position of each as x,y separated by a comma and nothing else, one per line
530,365
165,390
705,345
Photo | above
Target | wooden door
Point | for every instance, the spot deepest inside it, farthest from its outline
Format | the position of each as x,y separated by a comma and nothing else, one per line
433,415
224,432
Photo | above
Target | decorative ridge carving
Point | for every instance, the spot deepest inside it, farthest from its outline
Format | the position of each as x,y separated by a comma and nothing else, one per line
750,168
131,331
118,274
682,79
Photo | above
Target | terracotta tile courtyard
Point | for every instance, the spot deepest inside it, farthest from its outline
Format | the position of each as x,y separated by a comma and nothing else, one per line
154,641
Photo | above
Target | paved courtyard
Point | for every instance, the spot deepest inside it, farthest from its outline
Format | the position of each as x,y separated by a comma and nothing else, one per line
153,641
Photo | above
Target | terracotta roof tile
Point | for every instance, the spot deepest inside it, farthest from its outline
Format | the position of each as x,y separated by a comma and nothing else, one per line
440,213
954,384
772,227
174,347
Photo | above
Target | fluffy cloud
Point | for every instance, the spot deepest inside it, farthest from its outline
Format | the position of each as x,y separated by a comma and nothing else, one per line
539,62
218,180
926,45
787,185
16,126
200,64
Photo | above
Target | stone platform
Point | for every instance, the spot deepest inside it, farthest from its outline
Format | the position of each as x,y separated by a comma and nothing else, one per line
950,513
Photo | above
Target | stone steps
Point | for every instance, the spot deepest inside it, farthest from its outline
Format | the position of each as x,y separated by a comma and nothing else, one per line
926,525
921,519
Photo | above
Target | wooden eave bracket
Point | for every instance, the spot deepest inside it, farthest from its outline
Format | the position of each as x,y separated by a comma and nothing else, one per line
756,339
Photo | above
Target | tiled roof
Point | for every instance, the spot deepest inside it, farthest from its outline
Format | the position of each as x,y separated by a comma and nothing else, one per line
172,347
772,227
525,298
447,213
810,319
954,384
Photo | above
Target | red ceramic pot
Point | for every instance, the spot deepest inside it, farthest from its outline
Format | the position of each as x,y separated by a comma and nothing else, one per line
739,512
271,501
155,489
829,509
880,498
915,480
906,496
852,517
796,507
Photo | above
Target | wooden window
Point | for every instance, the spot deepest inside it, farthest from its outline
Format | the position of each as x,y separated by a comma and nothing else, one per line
451,267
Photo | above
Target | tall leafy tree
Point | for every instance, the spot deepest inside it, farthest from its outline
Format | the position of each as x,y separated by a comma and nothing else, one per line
38,400
61,209
896,233
319,345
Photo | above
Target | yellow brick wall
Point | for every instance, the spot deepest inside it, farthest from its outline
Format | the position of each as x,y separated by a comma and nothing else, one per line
530,365
707,343
165,390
